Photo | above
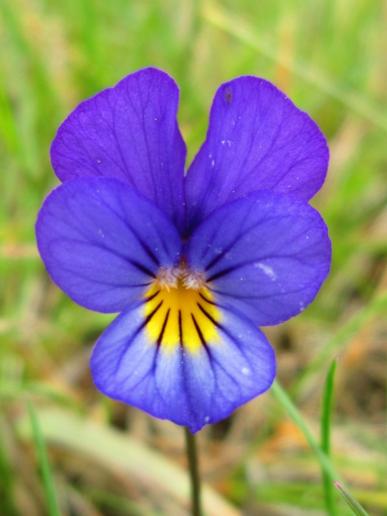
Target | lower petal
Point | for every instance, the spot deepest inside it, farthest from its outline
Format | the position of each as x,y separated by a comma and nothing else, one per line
189,385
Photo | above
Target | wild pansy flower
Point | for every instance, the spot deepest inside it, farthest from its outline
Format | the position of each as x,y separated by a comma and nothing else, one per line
194,263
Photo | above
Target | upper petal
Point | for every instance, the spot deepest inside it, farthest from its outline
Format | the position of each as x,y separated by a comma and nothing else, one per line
266,255
128,132
171,380
257,139
103,243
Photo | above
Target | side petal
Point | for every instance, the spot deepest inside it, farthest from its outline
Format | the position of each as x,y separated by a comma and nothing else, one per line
257,140
173,382
266,255
103,243
128,132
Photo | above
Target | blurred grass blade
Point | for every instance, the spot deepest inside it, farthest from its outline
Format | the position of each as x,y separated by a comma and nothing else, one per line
351,502
47,480
7,487
128,456
325,463
376,306
13,22
294,414
326,421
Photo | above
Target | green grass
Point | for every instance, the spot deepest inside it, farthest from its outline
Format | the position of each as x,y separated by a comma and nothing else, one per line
43,463
325,431
352,503
329,57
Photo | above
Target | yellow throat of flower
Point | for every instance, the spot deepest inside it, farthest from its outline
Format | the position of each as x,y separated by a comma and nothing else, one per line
180,310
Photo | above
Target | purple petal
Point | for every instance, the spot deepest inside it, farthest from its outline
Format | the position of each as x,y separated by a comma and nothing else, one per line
266,255
128,132
103,243
257,139
190,388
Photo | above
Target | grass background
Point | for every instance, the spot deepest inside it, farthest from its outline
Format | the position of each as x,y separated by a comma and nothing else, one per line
108,459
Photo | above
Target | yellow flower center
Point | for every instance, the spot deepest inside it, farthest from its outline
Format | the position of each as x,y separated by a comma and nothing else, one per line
180,310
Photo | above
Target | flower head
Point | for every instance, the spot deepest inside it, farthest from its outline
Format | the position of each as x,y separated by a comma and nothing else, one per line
193,263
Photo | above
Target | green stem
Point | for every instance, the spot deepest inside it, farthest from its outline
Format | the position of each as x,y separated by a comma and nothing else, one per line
193,467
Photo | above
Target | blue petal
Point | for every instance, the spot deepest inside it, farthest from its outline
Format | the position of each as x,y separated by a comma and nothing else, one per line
128,132
266,255
103,243
171,382
257,140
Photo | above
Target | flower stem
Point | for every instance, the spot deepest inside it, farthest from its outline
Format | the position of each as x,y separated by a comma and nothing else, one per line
193,467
